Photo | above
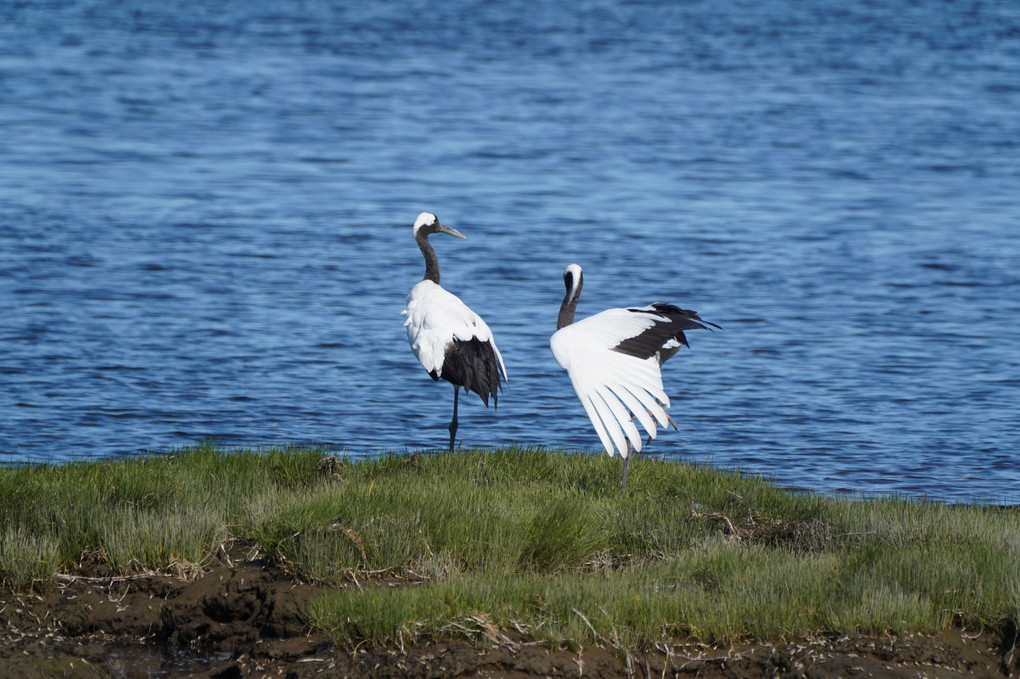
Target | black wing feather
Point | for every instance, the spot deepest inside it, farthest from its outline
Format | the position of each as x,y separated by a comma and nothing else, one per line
671,321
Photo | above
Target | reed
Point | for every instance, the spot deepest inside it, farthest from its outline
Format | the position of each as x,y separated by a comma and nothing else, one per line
527,539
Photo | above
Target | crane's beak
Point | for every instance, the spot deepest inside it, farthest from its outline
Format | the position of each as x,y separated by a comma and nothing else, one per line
443,228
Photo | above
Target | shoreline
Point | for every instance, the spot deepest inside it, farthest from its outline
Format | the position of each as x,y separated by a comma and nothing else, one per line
1001,502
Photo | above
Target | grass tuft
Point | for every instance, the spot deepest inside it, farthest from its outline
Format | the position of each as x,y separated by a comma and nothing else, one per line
27,559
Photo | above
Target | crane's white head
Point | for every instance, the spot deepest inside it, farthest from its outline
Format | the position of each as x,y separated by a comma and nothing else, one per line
427,224
572,278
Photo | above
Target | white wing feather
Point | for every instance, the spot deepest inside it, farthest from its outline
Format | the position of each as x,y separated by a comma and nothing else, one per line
614,388
434,318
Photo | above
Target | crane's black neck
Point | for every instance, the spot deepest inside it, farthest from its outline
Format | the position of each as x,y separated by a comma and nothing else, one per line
431,261
569,305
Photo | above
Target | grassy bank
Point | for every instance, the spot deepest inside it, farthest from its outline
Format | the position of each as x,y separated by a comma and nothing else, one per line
526,540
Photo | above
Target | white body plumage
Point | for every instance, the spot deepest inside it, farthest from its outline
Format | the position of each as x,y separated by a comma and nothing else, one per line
436,317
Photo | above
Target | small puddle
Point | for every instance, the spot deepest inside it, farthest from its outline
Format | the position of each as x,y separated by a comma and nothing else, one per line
147,661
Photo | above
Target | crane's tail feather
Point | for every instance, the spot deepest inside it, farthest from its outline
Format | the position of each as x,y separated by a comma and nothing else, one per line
476,366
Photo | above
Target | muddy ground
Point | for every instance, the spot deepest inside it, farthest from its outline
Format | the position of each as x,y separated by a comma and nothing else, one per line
244,619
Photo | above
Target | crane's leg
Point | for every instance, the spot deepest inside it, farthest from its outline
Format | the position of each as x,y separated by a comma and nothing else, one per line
453,422
630,449
652,435
626,464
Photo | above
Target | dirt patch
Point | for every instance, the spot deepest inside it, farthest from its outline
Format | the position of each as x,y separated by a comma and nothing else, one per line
245,619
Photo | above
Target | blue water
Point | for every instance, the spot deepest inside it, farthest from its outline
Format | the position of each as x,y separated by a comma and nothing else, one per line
206,208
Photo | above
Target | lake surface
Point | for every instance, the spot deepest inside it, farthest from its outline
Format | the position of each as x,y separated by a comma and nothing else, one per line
205,225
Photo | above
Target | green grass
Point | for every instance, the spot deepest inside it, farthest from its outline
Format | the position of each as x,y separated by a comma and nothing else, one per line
526,539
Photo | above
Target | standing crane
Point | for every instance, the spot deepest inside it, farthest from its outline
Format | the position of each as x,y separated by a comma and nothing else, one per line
613,360
450,340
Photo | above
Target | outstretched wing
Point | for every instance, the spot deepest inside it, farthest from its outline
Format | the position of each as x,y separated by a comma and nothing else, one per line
613,361
615,387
